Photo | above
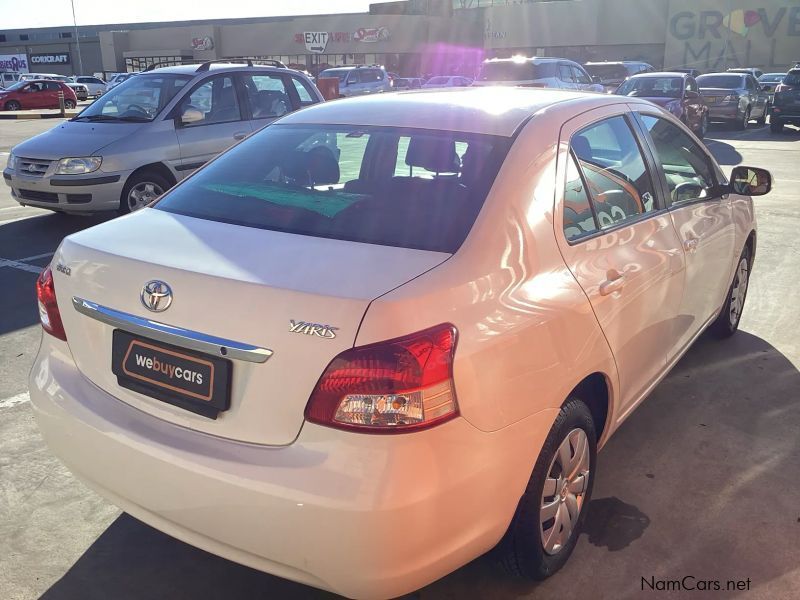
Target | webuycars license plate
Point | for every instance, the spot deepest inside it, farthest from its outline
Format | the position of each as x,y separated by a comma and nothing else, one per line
191,380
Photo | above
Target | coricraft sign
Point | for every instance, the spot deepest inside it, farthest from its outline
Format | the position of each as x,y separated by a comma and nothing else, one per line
700,35
16,63
60,58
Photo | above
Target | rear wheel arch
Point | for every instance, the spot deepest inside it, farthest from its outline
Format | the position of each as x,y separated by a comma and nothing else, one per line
751,243
594,391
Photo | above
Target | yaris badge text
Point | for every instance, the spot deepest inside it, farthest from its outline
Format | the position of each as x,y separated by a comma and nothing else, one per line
323,331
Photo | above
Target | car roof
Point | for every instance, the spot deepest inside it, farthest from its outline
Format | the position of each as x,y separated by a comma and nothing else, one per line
533,59
660,74
193,68
493,110
616,62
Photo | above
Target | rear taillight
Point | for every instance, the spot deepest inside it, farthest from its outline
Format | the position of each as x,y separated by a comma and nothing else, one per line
397,386
781,88
48,307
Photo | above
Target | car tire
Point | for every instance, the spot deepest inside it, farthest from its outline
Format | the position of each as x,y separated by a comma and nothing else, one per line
12,105
775,126
70,104
762,120
741,125
526,550
141,189
727,323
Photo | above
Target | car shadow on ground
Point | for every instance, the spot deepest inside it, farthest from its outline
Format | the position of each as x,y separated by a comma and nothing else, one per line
32,237
681,490
754,133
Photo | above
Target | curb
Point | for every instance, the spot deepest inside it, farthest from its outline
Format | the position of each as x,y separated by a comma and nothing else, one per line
12,116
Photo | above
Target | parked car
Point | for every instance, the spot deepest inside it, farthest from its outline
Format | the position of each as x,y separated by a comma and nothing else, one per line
119,78
97,87
443,81
35,76
536,72
27,95
757,73
786,106
768,82
677,93
81,91
734,98
8,78
407,83
692,72
385,421
611,74
136,141
358,80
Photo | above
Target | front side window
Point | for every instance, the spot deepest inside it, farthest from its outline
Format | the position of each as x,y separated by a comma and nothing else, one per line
378,185
614,170
565,73
686,166
580,76
214,101
140,98
267,95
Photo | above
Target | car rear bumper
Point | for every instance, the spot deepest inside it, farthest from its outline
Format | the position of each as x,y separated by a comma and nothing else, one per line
724,112
361,515
89,193
786,114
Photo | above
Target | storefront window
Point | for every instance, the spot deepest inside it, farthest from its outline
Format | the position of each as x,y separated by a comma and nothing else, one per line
136,63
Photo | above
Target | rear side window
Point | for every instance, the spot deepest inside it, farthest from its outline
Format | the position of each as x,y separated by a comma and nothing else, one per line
378,185
611,162
371,75
579,218
304,91
266,95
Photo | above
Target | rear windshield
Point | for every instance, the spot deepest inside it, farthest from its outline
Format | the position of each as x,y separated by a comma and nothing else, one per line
607,72
725,82
407,188
652,87
793,78
772,78
515,71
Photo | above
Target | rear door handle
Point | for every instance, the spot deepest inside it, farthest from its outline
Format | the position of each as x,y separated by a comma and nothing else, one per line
614,283
691,244
240,136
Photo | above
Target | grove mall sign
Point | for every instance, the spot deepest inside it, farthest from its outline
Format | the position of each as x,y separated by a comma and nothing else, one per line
15,63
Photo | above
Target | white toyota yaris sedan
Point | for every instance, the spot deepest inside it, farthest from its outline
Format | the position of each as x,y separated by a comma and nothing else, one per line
381,336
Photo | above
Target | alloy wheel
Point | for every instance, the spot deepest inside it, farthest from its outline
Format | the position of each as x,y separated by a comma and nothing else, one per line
564,491
143,194
739,291
12,105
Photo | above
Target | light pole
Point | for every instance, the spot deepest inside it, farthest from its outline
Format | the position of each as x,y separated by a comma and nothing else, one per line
77,38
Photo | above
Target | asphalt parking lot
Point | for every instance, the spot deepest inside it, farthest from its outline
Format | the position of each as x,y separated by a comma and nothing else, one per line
702,481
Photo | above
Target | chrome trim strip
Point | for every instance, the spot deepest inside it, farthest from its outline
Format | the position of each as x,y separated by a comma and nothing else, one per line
186,338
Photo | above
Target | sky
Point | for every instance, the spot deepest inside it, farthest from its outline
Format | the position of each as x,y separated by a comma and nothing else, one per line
15,14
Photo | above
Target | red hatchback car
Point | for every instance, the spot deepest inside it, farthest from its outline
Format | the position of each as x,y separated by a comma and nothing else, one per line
39,93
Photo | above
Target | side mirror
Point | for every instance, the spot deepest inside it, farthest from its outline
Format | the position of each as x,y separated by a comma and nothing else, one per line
692,95
596,79
191,115
750,181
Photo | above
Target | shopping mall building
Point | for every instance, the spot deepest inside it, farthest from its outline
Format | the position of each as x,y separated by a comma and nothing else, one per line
438,36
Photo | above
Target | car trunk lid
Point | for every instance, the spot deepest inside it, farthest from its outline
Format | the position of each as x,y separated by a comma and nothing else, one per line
236,283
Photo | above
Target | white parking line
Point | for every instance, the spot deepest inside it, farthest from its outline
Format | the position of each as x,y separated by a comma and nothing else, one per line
4,262
37,257
15,400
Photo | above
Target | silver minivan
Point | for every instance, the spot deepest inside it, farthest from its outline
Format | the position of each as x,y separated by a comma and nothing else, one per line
143,136
536,71
359,80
